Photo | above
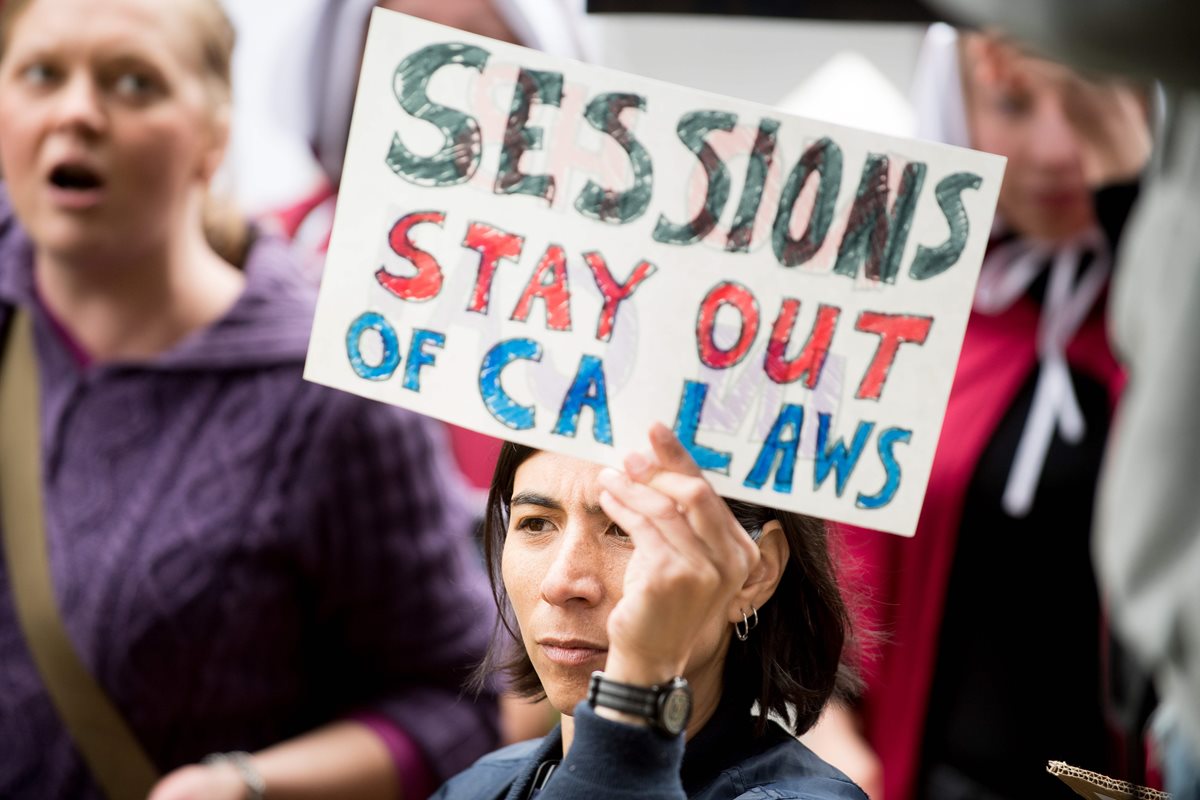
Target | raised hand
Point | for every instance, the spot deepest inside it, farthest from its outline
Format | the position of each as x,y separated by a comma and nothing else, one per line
690,558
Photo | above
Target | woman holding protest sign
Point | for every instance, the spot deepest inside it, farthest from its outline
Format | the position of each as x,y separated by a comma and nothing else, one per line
992,664
202,561
654,615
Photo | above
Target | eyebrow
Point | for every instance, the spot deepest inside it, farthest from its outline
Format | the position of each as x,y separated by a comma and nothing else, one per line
535,499
542,501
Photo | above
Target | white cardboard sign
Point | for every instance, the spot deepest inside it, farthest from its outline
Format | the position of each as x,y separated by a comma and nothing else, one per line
559,254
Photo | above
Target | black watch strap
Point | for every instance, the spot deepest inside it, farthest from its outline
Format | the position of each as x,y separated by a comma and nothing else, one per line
666,707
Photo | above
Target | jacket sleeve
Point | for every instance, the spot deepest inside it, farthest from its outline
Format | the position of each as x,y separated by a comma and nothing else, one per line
614,760
402,605
1147,539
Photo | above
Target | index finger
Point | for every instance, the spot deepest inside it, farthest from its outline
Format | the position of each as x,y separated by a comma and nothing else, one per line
671,470
669,453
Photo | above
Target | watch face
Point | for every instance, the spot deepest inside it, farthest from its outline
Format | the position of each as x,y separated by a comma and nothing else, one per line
676,709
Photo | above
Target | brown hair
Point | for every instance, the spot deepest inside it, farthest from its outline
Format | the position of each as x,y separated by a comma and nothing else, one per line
214,35
224,226
793,661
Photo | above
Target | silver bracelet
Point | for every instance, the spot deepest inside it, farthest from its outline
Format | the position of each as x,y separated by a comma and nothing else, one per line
256,787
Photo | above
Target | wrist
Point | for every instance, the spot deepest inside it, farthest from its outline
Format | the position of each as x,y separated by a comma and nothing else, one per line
620,716
241,763
639,672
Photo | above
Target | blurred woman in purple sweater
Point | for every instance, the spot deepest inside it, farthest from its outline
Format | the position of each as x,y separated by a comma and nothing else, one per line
243,561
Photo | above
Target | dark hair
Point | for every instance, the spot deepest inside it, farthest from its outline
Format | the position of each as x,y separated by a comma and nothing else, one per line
793,661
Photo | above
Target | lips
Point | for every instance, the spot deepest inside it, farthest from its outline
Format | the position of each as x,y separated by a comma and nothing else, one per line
75,185
1057,198
571,652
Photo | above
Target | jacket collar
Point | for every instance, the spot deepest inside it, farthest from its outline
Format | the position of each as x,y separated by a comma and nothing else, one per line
550,748
726,739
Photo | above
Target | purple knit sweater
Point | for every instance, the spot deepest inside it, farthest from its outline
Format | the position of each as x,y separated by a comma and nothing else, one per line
240,556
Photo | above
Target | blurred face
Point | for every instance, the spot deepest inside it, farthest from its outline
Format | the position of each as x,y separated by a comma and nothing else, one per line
564,570
1040,116
108,130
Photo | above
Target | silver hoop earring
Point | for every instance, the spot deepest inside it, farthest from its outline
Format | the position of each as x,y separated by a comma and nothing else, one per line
742,629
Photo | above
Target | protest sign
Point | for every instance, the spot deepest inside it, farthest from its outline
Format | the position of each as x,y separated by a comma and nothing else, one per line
560,254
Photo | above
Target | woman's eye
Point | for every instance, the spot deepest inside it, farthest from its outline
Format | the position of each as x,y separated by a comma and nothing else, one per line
39,74
135,85
618,533
534,525
1013,104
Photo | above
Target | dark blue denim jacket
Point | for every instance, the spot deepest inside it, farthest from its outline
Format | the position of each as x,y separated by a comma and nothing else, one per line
608,759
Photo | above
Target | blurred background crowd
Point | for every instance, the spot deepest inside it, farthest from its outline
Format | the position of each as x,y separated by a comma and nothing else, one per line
1047,609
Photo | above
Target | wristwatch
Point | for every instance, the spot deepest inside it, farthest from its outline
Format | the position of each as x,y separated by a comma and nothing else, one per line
666,707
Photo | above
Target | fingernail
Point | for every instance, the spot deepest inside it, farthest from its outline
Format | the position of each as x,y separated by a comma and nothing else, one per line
609,475
636,464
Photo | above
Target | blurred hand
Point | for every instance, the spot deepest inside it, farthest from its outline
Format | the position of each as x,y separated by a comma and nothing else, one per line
1110,118
690,557
1112,122
201,782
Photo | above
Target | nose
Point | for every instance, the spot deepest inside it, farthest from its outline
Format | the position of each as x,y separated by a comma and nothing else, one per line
574,572
1054,142
79,106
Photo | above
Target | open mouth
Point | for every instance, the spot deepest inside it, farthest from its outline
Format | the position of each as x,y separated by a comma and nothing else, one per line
75,177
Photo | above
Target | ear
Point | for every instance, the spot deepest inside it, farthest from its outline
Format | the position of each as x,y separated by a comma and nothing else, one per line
218,143
764,578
